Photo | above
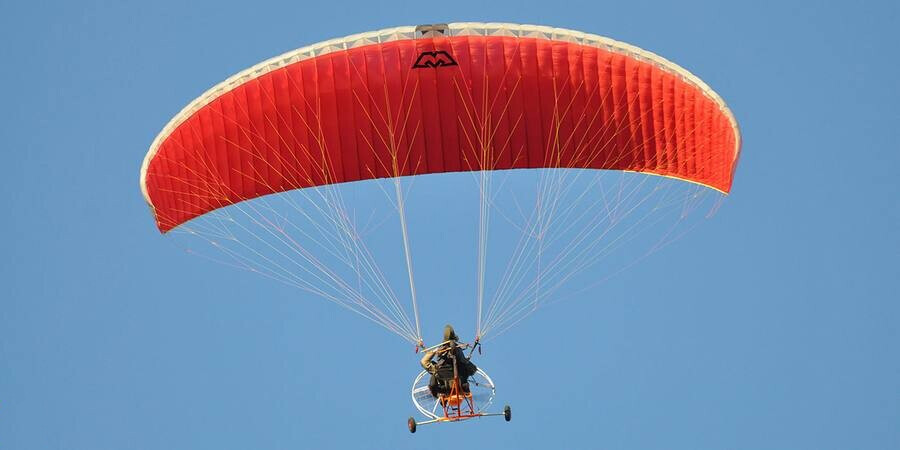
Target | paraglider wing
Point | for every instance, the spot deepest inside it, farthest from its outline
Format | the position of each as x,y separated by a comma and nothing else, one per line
466,97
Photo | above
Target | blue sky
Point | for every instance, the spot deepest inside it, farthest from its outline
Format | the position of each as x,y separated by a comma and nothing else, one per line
773,325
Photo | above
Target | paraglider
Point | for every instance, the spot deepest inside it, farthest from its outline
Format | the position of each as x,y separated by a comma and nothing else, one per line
257,166
453,377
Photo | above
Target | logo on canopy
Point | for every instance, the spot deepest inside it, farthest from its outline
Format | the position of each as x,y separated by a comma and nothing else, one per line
434,59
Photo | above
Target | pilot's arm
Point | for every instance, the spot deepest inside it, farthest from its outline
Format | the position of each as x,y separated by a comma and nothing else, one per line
466,364
427,362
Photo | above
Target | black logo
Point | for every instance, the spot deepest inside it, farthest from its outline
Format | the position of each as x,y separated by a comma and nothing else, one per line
434,59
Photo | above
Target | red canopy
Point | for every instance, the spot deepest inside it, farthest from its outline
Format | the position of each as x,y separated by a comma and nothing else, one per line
457,98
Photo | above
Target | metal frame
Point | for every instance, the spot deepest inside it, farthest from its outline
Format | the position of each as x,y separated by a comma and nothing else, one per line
464,407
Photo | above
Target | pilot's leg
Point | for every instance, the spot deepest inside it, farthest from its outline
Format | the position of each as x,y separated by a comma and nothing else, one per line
433,386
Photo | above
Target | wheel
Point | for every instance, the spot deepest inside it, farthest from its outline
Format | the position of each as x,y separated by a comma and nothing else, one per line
411,423
507,413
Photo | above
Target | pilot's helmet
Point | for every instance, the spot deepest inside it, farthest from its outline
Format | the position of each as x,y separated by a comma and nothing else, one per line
449,334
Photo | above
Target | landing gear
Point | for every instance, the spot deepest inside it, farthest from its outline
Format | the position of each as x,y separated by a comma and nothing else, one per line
458,404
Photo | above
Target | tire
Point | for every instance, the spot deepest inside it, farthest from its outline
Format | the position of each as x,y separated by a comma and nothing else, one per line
507,413
411,424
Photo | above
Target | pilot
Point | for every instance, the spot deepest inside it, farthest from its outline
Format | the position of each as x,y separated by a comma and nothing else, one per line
442,370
